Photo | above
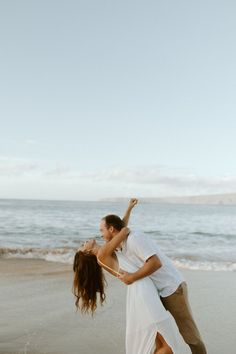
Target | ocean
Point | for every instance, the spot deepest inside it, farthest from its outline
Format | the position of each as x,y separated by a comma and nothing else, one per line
200,237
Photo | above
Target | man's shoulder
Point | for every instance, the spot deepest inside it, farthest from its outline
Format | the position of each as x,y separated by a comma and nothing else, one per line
131,237
136,236
135,233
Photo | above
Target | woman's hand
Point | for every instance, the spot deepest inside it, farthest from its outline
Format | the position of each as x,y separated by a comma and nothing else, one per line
132,203
125,230
126,277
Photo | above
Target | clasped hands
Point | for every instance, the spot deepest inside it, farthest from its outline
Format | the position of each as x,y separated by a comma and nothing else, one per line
127,278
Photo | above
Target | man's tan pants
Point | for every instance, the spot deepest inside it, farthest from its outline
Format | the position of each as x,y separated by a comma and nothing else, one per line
177,304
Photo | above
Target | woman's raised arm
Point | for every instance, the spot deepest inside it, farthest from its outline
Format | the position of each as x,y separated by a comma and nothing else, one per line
109,247
131,205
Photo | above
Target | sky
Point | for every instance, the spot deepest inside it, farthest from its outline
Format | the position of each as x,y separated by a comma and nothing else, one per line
114,98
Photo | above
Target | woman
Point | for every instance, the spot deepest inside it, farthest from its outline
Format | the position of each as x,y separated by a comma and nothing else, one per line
149,327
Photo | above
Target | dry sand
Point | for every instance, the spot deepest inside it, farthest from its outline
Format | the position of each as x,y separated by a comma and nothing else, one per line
37,312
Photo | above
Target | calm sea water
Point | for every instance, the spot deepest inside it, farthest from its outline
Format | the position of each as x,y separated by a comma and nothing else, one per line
193,236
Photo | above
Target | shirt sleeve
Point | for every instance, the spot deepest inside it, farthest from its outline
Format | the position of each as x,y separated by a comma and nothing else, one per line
142,246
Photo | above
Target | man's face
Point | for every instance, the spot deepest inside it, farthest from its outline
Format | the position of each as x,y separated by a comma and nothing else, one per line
106,233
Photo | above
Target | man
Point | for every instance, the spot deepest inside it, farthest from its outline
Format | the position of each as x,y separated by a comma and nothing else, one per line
144,253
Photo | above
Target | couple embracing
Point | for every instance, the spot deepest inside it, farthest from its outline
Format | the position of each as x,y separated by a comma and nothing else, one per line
156,289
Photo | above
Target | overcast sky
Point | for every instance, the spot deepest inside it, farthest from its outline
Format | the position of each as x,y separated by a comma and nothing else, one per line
117,98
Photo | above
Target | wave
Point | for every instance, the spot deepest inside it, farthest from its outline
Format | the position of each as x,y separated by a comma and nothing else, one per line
205,265
61,255
153,232
209,234
66,255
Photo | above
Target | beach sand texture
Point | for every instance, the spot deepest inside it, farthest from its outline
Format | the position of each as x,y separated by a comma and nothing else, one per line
38,314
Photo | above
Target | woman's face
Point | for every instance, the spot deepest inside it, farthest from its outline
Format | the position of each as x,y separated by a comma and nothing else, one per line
87,246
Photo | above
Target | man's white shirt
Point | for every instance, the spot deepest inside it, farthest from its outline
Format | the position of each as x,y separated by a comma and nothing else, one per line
138,248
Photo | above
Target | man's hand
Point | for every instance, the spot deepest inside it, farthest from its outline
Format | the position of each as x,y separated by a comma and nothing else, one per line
132,203
127,278
150,266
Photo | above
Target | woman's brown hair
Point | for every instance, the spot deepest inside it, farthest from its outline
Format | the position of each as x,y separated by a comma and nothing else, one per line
89,280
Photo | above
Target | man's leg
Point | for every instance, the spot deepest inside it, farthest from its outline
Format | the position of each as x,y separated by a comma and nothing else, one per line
177,304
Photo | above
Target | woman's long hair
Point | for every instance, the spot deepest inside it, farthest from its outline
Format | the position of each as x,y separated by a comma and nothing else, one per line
89,280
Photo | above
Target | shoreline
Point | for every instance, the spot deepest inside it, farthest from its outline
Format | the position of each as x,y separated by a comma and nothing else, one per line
38,314
65,256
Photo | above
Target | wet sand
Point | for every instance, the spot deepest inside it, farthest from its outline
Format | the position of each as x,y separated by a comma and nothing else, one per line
38,314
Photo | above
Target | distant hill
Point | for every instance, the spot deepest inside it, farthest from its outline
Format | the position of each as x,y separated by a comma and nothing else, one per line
224,199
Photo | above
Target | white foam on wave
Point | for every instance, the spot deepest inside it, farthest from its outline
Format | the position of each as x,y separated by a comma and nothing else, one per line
61,258
205,265
61,255
66,255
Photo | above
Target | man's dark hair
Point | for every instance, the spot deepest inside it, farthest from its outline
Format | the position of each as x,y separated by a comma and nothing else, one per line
115,221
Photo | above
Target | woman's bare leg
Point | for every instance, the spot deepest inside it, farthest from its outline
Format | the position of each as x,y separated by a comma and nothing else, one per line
161,346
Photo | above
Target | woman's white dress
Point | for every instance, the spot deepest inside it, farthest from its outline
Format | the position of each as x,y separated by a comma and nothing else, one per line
146,315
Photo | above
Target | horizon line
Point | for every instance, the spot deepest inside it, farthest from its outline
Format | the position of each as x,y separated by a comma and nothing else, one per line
104,199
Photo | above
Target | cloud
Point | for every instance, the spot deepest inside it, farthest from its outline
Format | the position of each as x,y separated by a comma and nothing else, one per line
160,180
171,180
58,171
15,167
30,141
11,167
19,142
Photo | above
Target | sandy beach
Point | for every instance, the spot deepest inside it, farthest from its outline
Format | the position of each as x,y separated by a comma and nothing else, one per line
38,314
